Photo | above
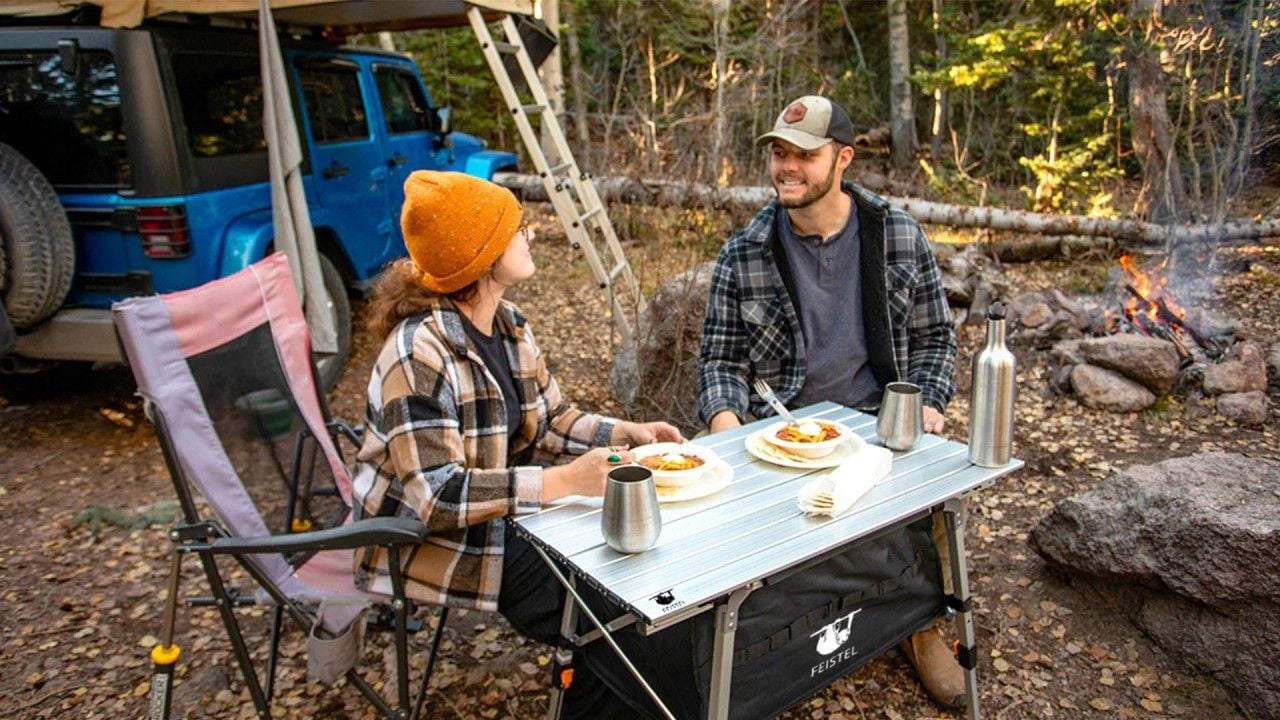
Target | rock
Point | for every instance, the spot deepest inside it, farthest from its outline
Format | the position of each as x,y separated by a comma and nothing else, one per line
207,681
1273,360
658,380
1244,371
983,294
1065,302
1104,389
1246,408
1036,315
1150,361
1061,383
1019,306
1066,352
957,289
1187,547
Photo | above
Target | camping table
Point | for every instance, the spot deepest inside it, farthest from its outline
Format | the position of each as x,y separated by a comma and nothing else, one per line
700,563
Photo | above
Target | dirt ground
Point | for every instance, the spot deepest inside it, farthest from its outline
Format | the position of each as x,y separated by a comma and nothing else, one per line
82,606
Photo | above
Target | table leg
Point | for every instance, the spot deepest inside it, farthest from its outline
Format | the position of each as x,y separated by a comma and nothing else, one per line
563,656
722,657
575,598
960,586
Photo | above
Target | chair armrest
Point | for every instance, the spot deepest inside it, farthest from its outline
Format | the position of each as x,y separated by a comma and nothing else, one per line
355,435
381,531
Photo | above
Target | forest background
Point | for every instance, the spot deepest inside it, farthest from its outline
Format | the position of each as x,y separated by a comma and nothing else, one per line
1166,110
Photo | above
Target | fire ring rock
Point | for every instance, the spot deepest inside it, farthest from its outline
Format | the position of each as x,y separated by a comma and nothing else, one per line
1104,389
1150,361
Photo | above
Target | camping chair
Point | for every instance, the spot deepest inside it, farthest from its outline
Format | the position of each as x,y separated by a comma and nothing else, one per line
227,376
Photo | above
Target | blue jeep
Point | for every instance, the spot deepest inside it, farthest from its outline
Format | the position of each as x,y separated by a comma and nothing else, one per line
152,141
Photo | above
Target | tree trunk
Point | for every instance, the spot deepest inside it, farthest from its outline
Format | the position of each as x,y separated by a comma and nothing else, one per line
552,73
901,114
579,89
746,199
720,23
1162,198
939,95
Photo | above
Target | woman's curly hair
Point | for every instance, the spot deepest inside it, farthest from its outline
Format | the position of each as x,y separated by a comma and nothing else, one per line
398,293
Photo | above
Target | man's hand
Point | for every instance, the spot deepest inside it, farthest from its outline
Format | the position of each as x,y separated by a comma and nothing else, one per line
933,420
633,434
723,420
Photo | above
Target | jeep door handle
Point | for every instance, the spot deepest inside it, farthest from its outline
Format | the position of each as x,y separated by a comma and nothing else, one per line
397,160
335,170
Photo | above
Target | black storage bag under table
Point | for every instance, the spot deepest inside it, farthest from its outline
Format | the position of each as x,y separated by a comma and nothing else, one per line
800,632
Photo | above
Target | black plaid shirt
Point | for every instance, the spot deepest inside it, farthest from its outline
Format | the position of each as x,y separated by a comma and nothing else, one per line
752,329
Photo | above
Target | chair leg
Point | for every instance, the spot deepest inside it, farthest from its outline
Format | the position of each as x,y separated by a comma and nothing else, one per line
399,606
225,609
276,616
431,662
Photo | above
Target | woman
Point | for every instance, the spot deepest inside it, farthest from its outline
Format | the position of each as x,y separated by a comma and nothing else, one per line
464,419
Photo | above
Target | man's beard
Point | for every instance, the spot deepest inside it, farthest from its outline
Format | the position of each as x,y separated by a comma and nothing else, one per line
814,192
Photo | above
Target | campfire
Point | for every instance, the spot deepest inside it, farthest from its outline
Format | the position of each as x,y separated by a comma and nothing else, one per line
1151,310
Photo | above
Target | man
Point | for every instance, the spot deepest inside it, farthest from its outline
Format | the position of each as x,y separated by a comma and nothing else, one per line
829,294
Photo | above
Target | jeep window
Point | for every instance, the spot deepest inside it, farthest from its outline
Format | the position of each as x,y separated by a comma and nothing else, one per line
221,98
68,124
403,104
334,104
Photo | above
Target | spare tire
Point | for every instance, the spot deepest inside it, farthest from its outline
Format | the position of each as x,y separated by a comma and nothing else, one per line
39,252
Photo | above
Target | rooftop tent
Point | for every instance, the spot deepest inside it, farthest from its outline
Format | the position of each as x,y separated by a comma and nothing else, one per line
346,17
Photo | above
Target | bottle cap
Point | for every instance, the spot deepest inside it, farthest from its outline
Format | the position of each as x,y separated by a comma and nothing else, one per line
995,311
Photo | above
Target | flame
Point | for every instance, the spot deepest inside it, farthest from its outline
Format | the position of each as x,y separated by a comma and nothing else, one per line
1151,288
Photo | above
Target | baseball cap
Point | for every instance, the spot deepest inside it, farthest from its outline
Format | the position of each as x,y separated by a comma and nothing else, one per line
811,122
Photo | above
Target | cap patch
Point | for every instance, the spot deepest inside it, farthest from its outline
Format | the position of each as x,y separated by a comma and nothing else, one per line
795,112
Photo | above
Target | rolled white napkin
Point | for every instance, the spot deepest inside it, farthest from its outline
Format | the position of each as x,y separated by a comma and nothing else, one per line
846,482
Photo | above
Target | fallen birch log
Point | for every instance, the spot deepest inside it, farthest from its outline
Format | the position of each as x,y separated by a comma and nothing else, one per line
674,194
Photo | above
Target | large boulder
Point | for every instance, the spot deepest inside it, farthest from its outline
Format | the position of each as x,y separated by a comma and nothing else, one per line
1188,547
1150,361
657,379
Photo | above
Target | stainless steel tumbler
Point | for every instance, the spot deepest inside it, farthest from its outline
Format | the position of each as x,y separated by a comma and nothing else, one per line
631,520
901,419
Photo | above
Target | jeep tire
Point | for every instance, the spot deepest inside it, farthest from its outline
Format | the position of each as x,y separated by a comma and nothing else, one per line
38,258
329,367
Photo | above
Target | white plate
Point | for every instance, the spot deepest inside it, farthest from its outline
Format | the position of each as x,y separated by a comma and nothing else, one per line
717,478
761,449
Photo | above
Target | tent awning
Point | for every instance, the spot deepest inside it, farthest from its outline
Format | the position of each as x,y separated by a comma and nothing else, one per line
345,17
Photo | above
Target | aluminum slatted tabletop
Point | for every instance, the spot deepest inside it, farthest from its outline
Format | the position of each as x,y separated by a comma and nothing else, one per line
701,561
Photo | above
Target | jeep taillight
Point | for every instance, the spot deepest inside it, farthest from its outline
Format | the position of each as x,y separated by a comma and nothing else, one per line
164,231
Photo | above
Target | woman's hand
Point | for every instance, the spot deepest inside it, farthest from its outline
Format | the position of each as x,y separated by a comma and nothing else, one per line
634,434
585,475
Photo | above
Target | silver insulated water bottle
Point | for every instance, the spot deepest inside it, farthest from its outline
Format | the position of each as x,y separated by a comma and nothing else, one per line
991,403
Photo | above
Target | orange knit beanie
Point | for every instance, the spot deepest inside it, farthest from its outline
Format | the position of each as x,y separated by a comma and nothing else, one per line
456,226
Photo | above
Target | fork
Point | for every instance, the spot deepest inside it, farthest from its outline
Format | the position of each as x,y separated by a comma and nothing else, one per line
766,393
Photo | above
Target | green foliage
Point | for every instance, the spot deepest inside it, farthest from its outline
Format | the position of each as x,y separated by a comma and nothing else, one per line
1036,73
97,516
1088,278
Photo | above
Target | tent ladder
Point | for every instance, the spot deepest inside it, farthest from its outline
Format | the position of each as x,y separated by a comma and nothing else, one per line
572,191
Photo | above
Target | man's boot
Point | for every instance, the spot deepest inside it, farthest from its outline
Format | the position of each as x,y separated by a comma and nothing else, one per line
941,675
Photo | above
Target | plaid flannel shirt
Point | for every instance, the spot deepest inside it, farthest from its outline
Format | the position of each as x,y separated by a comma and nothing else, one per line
752,329
436,447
